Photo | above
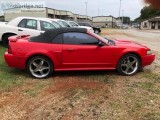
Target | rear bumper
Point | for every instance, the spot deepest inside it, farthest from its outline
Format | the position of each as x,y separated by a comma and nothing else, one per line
12,61
148,60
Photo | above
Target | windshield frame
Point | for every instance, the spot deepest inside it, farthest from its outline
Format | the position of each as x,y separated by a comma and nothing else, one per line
105,40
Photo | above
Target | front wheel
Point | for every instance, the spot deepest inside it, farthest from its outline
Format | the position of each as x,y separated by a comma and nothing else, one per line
40,67
129,64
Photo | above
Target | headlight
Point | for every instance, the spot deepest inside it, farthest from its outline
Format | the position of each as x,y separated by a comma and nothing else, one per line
149,52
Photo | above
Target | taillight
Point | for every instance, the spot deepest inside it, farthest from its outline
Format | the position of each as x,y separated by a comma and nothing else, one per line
9,49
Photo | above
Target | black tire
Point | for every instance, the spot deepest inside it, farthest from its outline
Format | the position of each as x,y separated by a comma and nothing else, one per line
129,64
40,67
5,40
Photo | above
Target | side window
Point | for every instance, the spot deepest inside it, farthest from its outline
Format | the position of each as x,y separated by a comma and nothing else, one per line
31,24
79,39
46,26
73,24
22,24
81,24
58,39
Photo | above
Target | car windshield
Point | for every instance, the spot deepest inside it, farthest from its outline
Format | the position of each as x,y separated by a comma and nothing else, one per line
64,24
102,38
73,24
56,24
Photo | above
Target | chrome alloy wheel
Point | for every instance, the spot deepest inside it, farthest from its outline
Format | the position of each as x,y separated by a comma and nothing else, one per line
39,67
129,65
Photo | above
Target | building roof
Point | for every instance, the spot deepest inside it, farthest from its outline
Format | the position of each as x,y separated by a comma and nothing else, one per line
154,19
103,16
49,35
157,18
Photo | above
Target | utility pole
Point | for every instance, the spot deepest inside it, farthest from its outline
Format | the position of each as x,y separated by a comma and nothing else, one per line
122,17
86,10
120,11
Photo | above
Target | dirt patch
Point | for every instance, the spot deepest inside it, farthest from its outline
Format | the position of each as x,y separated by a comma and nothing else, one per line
53,98
62,85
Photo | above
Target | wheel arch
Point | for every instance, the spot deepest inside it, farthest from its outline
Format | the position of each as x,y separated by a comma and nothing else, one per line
39,54
8,33
133,53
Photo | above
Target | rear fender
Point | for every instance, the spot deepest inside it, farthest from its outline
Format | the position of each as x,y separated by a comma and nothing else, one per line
56,62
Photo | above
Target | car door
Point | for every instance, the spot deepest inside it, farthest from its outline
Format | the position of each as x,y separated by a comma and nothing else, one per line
28,27
81,51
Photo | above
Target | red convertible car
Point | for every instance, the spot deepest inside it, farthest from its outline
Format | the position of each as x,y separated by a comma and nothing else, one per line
66,49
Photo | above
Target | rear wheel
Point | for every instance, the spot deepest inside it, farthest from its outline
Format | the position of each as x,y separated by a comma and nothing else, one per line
5,39
129,64
40,67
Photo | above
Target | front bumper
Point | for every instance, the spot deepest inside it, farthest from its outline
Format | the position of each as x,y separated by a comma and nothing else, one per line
148,60
13,61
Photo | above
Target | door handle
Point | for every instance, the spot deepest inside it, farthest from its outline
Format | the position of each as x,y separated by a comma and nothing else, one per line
20,30
70,49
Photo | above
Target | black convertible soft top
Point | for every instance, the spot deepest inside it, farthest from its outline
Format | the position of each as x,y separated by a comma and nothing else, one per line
49,35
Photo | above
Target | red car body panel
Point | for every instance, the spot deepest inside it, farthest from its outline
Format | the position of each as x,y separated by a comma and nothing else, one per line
75,57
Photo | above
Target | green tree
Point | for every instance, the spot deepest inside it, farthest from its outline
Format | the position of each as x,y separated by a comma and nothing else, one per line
148,12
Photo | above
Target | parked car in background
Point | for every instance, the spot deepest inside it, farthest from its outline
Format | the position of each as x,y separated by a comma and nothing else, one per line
25,26
66,49
74,24
62,23
54,22
97,30
123,26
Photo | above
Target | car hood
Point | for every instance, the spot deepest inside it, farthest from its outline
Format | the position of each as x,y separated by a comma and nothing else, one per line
122,42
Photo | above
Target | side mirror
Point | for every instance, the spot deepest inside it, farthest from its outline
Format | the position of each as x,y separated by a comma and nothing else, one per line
100,44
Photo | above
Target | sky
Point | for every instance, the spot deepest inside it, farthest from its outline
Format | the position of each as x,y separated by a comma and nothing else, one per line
131,8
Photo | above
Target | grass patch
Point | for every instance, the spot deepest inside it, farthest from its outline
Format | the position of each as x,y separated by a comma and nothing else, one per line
151,116
108,79
152,76
35,90
9,77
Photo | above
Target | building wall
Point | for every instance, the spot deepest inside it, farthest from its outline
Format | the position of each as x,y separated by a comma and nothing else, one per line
47,13
11,14
145,25
104,21
153,23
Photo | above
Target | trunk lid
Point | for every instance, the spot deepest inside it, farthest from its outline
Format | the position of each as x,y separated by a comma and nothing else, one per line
16,38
